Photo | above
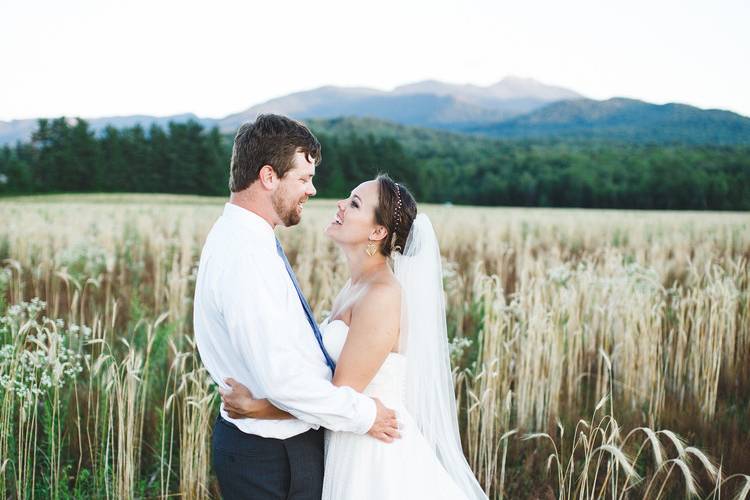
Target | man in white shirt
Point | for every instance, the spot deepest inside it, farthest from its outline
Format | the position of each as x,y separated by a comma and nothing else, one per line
253,324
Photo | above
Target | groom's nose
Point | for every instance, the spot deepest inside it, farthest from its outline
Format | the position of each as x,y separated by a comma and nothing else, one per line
311,191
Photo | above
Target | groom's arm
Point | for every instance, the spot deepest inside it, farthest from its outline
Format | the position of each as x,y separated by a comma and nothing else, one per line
259,311
239,403
371,338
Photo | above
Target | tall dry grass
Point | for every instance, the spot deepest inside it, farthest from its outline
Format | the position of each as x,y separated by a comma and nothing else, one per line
549,312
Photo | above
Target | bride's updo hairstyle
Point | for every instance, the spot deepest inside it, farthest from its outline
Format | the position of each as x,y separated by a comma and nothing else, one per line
396,210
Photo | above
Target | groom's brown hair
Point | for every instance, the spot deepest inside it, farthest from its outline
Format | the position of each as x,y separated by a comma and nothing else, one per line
269,140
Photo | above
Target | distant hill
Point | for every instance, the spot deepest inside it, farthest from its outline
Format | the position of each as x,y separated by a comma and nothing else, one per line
513,108
508,89
624,120
418,141
428,103
427,110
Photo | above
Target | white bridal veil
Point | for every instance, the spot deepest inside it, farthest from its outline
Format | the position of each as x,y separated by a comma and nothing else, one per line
430,396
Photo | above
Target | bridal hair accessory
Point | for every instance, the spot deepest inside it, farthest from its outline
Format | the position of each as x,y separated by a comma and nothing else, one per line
371,248
397,217
397,211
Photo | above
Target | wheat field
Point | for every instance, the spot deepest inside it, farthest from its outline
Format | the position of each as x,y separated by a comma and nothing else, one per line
597,354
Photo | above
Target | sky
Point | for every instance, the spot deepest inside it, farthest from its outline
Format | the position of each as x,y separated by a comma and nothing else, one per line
212,58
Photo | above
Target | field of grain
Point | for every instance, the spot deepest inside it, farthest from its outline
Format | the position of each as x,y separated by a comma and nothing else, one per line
597,354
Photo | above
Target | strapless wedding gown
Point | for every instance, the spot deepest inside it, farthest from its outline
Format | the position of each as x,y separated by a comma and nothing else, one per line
360,467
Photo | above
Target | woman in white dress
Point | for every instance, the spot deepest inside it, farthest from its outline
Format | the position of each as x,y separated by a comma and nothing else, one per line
387,335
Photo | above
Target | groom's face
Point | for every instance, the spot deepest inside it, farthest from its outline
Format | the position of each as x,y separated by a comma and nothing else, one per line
293,190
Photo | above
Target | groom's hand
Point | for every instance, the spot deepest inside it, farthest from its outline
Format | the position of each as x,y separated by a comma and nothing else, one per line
385,427
238,400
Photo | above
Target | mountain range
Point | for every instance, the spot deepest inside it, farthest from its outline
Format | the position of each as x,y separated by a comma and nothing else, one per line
513,108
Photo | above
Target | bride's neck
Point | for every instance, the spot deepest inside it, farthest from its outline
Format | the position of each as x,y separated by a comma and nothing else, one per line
363,266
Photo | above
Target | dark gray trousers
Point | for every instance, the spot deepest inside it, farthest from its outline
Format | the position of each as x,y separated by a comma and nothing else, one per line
253,467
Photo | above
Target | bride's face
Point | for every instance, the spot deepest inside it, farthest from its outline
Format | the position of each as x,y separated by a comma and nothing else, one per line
354,221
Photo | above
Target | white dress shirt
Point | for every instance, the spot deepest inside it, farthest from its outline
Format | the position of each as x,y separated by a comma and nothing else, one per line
250,325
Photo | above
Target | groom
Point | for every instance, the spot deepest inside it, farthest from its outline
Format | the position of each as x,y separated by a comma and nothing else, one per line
252,323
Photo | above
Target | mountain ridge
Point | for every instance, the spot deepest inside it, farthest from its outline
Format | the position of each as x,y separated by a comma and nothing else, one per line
512,108
626,119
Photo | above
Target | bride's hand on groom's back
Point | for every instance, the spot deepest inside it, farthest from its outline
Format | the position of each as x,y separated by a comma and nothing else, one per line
385,428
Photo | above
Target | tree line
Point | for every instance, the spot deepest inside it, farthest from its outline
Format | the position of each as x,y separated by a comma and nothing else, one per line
68,156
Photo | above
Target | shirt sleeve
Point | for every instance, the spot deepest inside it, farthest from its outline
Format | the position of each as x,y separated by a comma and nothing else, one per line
265,330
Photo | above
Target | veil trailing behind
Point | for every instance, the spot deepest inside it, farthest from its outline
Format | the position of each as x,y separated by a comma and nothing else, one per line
430,396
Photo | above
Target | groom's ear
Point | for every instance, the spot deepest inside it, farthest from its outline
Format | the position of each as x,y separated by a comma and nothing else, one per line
267,177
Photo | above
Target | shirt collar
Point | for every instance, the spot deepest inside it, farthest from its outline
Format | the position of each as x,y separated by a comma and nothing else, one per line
261,229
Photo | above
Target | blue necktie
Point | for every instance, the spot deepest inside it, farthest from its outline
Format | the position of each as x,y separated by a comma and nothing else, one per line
306,307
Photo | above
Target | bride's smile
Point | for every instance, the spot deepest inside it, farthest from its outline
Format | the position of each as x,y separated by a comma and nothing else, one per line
355,222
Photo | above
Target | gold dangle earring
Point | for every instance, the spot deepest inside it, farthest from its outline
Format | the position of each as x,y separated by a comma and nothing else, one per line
371,248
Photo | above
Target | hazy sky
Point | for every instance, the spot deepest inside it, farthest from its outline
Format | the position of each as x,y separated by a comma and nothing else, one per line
96,58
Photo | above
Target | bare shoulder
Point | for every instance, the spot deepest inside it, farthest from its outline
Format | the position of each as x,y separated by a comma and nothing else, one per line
373,333
383,297
378,311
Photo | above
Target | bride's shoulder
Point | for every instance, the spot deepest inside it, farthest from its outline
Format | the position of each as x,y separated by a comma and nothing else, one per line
381,296
388,285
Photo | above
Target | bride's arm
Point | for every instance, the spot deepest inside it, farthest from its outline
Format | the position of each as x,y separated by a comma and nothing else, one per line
373,333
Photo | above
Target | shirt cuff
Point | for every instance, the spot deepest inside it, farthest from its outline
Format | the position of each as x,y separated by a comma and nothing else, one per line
368,412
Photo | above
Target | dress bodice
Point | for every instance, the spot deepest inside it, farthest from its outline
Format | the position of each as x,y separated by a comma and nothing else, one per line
389,383
359,467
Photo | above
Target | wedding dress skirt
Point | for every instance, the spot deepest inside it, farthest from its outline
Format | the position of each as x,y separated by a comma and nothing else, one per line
360,467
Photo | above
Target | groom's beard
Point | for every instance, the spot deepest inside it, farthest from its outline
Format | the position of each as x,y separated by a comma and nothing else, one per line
287,212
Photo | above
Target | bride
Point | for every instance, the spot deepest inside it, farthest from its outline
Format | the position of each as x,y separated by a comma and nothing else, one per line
387,335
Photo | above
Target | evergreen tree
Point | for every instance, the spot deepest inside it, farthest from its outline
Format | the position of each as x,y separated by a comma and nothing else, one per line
66,155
